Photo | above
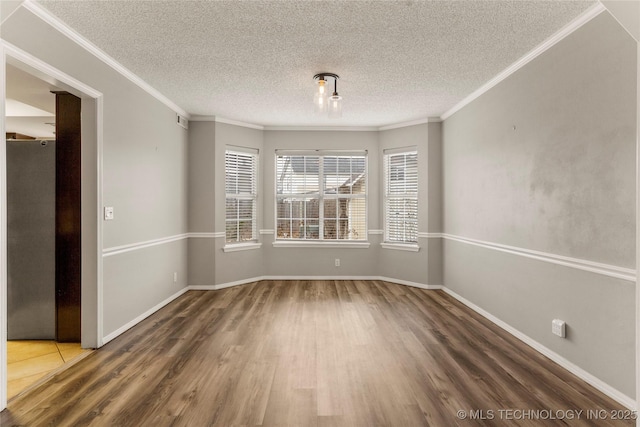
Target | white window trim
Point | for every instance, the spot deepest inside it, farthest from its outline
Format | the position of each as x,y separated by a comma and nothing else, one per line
387,244
410,247
237,247
247,244
325,243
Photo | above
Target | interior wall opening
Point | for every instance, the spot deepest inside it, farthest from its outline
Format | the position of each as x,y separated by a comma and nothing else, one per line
46,336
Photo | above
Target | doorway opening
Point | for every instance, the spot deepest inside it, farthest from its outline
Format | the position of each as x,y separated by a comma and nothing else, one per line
73,316
43,134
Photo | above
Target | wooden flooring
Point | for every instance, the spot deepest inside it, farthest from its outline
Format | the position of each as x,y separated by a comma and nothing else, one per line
30,361
300,353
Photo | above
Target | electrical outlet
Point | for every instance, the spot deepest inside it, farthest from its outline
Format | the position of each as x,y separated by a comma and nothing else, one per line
175,277
337,262
559,328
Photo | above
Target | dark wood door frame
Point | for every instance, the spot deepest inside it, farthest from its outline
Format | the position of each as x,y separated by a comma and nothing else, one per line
68,217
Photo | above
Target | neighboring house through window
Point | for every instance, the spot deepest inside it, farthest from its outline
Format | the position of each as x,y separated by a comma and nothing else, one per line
241,168
401,196
321,195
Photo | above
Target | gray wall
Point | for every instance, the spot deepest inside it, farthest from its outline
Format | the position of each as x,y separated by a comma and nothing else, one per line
144,166
201,254
546,161
31,212
424,266
233,266
320,261
561,181
434,204
210,265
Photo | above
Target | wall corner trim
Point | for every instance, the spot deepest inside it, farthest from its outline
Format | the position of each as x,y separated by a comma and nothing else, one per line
605,388
572,26
74,36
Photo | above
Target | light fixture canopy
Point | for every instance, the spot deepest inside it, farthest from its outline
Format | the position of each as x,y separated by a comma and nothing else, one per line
322,102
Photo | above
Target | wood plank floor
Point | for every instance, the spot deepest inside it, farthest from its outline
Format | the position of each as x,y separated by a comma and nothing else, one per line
29,361
301,353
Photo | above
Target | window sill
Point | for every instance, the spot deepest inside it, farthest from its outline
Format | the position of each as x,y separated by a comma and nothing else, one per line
320,244
401,246
241,247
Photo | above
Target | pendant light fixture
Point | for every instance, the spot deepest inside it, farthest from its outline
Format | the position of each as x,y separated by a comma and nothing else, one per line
323,103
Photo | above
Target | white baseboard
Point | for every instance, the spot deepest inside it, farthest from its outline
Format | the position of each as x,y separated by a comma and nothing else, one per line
259,278
321,278
143,316
408,283
202,287
605,388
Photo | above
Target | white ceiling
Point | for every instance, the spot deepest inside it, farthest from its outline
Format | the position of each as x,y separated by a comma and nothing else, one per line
30,105
254,61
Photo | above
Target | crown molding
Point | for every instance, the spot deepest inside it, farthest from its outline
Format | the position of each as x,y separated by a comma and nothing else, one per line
74,36
410,123
324,128
219,119
581,20
203,118
63,28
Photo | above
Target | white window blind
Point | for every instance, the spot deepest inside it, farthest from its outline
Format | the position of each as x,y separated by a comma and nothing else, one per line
401,196
321,196
241,168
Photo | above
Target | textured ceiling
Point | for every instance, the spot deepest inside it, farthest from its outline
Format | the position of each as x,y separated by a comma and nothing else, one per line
254,61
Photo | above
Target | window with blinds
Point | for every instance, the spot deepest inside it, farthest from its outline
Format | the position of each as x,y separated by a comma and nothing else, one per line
401,195
241,168
321,196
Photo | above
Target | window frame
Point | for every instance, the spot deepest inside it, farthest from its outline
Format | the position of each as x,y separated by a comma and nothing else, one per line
321,195
253,243
404,244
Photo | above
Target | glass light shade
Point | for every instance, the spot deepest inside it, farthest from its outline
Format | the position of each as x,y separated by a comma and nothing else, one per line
335,107
320,99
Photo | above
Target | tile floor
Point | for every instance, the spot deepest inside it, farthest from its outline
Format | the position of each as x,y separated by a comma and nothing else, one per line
30,361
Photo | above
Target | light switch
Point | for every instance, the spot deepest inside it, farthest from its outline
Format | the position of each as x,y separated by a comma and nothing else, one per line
108,213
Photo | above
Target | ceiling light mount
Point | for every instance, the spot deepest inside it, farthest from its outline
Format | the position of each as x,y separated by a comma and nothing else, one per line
324,103
321,76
